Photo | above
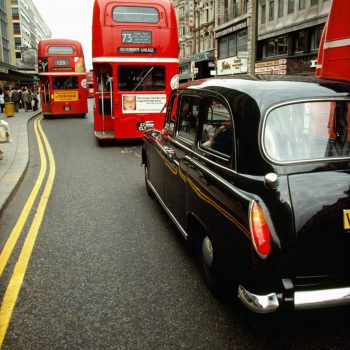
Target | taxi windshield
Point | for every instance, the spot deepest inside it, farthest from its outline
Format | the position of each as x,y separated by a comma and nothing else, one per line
308,131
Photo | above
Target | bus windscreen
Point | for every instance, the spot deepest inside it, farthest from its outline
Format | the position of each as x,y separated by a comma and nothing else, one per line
141,78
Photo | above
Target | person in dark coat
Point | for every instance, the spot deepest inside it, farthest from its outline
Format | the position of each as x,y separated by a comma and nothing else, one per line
15,99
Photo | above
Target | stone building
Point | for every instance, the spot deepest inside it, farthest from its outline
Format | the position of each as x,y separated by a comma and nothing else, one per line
233,37
28,28
289,33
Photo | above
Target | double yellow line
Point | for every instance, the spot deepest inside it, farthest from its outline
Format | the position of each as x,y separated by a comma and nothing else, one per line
14,286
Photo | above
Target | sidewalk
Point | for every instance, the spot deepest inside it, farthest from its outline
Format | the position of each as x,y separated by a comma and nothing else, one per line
16,154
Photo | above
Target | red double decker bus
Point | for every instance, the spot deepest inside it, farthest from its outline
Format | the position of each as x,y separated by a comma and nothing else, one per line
135,64
62,73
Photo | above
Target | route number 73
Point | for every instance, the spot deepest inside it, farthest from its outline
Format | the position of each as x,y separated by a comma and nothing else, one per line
126,38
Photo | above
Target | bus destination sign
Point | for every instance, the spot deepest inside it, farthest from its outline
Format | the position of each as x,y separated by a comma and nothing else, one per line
61,62
137,50
136,37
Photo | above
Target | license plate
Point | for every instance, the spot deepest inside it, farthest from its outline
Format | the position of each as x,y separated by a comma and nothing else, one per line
66,108
144,126
346,217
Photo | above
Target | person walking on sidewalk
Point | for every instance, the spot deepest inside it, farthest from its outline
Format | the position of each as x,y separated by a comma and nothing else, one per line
2,101
25,99
15,99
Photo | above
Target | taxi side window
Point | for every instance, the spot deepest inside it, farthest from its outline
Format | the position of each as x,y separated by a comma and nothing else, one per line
188,117
217,131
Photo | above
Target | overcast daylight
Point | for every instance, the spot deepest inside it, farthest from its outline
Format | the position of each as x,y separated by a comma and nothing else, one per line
189,190
69,19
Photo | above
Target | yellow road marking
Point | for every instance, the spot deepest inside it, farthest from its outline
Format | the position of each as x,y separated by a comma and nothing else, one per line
12,240
12,177
16,281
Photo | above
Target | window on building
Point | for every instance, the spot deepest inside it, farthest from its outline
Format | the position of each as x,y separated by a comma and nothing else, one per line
280,8
271,9
276,46
290,6
299,42
316,34
16,28
18,55
314,2
242,41
230,45
263,13
301,4
15,13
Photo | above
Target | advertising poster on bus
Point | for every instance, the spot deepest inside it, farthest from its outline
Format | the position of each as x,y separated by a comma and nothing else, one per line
152,103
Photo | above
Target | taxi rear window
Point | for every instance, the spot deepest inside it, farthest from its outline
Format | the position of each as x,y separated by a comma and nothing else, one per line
308,131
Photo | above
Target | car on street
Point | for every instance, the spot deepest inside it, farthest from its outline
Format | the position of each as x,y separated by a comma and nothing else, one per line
256,174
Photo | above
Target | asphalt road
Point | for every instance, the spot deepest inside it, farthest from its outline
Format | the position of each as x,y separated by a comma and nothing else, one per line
110,271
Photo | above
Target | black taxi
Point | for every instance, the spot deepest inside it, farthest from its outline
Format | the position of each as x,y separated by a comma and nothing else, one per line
257,174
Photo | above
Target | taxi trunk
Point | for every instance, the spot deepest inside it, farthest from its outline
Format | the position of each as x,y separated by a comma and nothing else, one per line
321,206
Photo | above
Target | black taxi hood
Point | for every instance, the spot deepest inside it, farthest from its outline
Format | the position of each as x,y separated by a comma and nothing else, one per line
321,207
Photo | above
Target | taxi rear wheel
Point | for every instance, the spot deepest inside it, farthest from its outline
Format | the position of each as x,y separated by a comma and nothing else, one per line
208,256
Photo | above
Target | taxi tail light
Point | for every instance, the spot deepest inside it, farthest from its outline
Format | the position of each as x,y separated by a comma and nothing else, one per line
259,230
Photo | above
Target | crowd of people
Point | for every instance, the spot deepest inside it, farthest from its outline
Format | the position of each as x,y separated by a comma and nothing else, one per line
23,98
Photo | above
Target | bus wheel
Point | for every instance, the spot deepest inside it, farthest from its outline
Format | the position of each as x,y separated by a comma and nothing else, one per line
148,188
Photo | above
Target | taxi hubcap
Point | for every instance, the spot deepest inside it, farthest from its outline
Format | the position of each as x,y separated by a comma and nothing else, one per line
207,251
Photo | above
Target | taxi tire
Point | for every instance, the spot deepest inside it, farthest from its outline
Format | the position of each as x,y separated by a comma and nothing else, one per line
211,273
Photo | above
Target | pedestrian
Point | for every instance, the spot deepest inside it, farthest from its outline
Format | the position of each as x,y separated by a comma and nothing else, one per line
34,100
2,101
15,99
25,99
7,94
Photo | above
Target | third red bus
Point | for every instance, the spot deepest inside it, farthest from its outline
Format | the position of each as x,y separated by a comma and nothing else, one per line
135,64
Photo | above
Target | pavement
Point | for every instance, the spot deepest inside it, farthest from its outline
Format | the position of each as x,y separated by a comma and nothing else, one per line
16,154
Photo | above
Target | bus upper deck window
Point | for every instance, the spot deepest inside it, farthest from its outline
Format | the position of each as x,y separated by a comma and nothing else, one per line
135,14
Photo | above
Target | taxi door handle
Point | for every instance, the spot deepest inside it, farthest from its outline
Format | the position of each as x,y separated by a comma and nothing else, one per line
169,151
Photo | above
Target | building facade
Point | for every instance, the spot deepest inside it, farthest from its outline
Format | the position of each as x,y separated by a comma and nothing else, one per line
289,33
28,29
233,37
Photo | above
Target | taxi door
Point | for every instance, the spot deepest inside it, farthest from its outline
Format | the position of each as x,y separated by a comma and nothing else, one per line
176,147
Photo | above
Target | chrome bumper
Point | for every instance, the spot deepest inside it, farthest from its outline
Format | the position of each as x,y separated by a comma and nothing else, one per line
302,300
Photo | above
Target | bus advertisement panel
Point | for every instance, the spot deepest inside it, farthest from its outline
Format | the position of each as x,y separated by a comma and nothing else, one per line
135,64
63,88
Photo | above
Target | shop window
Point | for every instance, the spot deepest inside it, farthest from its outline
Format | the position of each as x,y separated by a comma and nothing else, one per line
316,35
276,46
299,42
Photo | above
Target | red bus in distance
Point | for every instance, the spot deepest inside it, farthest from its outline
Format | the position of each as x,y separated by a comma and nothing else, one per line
90,83
135,64
62,74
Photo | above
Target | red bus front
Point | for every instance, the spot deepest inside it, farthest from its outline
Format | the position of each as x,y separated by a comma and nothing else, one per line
63,88
135,60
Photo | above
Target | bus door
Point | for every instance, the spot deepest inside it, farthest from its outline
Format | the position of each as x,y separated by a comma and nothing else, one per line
104,95
45,96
